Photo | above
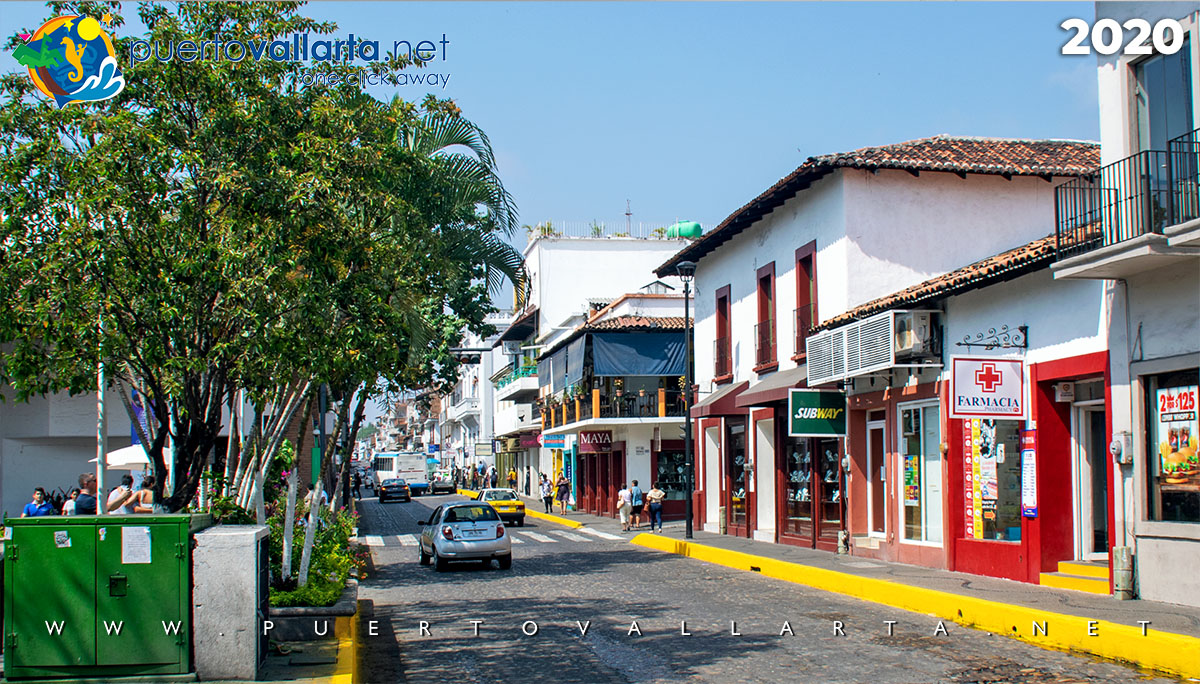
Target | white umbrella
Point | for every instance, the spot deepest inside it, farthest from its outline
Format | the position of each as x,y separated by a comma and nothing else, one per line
130,458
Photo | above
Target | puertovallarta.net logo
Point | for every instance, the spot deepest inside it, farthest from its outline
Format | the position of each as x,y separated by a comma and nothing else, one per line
71,59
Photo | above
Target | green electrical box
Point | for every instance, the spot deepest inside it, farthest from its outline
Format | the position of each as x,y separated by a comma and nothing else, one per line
98,596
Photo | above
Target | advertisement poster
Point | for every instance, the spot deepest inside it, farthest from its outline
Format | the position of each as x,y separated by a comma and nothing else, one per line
973,479
912,480
1175,435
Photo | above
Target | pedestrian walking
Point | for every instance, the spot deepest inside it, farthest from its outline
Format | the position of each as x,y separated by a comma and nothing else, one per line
39,506
493,477
85,503
562,491
639,502
357,489
69,505
512,478
624,506
120,499
528,474
546,489
655,497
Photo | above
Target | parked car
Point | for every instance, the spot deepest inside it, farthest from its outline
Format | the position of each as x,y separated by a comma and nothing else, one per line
464,531
507,504
394,488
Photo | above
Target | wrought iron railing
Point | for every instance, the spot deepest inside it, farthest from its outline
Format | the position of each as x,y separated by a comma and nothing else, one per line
1184,155
804,323
722,358
764,342
1140,194
515,374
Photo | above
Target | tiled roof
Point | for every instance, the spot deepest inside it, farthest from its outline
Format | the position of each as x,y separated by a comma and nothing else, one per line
630,323
1004,266
1006,157
1003,156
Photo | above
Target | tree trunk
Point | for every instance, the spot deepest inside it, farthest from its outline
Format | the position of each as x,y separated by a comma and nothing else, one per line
310,531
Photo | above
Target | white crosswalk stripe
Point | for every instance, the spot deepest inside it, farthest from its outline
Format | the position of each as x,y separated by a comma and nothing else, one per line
407,539
537,537
569,535
515,539
598,533
373,540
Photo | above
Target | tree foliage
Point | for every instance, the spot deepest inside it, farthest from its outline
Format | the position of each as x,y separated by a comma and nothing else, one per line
217,226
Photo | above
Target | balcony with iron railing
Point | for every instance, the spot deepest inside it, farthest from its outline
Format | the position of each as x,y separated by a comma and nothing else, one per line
642,397
804,324
1130,216
764,346
520,383
722,358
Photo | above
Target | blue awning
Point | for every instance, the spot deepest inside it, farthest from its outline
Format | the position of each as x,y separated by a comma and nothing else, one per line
575,352
558,370
638,353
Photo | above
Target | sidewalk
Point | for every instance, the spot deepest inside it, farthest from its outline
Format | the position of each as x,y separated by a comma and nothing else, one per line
1171,642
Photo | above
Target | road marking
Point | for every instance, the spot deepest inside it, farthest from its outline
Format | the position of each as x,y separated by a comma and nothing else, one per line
598,533
514,539
407,539
374,540
569,535
538,537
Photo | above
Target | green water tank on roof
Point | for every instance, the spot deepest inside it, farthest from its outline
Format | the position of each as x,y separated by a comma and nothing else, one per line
685,229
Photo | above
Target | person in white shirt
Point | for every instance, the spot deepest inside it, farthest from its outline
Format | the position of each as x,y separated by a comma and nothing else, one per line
120,499
624,506
69,504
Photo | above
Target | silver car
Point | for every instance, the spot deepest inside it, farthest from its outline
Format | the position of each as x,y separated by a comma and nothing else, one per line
470,530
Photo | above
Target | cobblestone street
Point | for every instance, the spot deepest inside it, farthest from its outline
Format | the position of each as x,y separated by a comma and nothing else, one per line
588,597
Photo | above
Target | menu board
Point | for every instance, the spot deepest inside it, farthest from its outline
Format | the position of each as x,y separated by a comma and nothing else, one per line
1028,474
1175,435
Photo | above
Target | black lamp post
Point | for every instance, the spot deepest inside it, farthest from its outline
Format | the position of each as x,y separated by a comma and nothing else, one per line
687,271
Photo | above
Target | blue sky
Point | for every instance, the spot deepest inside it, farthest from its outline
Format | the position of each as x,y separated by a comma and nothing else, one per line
689,110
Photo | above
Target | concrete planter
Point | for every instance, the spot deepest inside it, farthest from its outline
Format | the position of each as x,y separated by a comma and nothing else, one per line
314,624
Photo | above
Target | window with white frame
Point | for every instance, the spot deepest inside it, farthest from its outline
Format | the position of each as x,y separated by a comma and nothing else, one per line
921,472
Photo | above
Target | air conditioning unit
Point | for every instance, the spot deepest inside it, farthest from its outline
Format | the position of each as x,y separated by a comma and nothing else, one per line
887,340
914,334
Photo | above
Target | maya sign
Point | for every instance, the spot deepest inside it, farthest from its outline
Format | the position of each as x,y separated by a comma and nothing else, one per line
816,413
987,388
598,441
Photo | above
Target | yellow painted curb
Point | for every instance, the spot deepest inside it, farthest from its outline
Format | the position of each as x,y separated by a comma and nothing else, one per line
554,518
345,630
1175,654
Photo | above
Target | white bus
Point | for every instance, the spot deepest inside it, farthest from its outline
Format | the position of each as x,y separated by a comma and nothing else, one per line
409,466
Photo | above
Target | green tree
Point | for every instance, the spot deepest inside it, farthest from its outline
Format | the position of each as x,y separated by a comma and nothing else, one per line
217,227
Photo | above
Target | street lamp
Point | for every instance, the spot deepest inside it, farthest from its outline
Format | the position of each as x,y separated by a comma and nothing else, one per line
687,271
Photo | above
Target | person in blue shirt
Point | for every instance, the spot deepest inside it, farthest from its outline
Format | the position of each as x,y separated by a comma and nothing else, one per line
85,503
637,498
39,506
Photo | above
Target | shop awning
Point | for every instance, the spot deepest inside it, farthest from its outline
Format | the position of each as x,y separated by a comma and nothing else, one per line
639,353
720,403
774,387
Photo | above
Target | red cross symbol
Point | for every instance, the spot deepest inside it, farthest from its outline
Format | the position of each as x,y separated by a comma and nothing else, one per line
987,377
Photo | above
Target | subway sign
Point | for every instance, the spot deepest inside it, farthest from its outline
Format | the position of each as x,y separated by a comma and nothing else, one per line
816,413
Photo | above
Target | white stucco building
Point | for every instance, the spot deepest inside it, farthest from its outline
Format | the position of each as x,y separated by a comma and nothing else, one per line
1134,228
860,272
